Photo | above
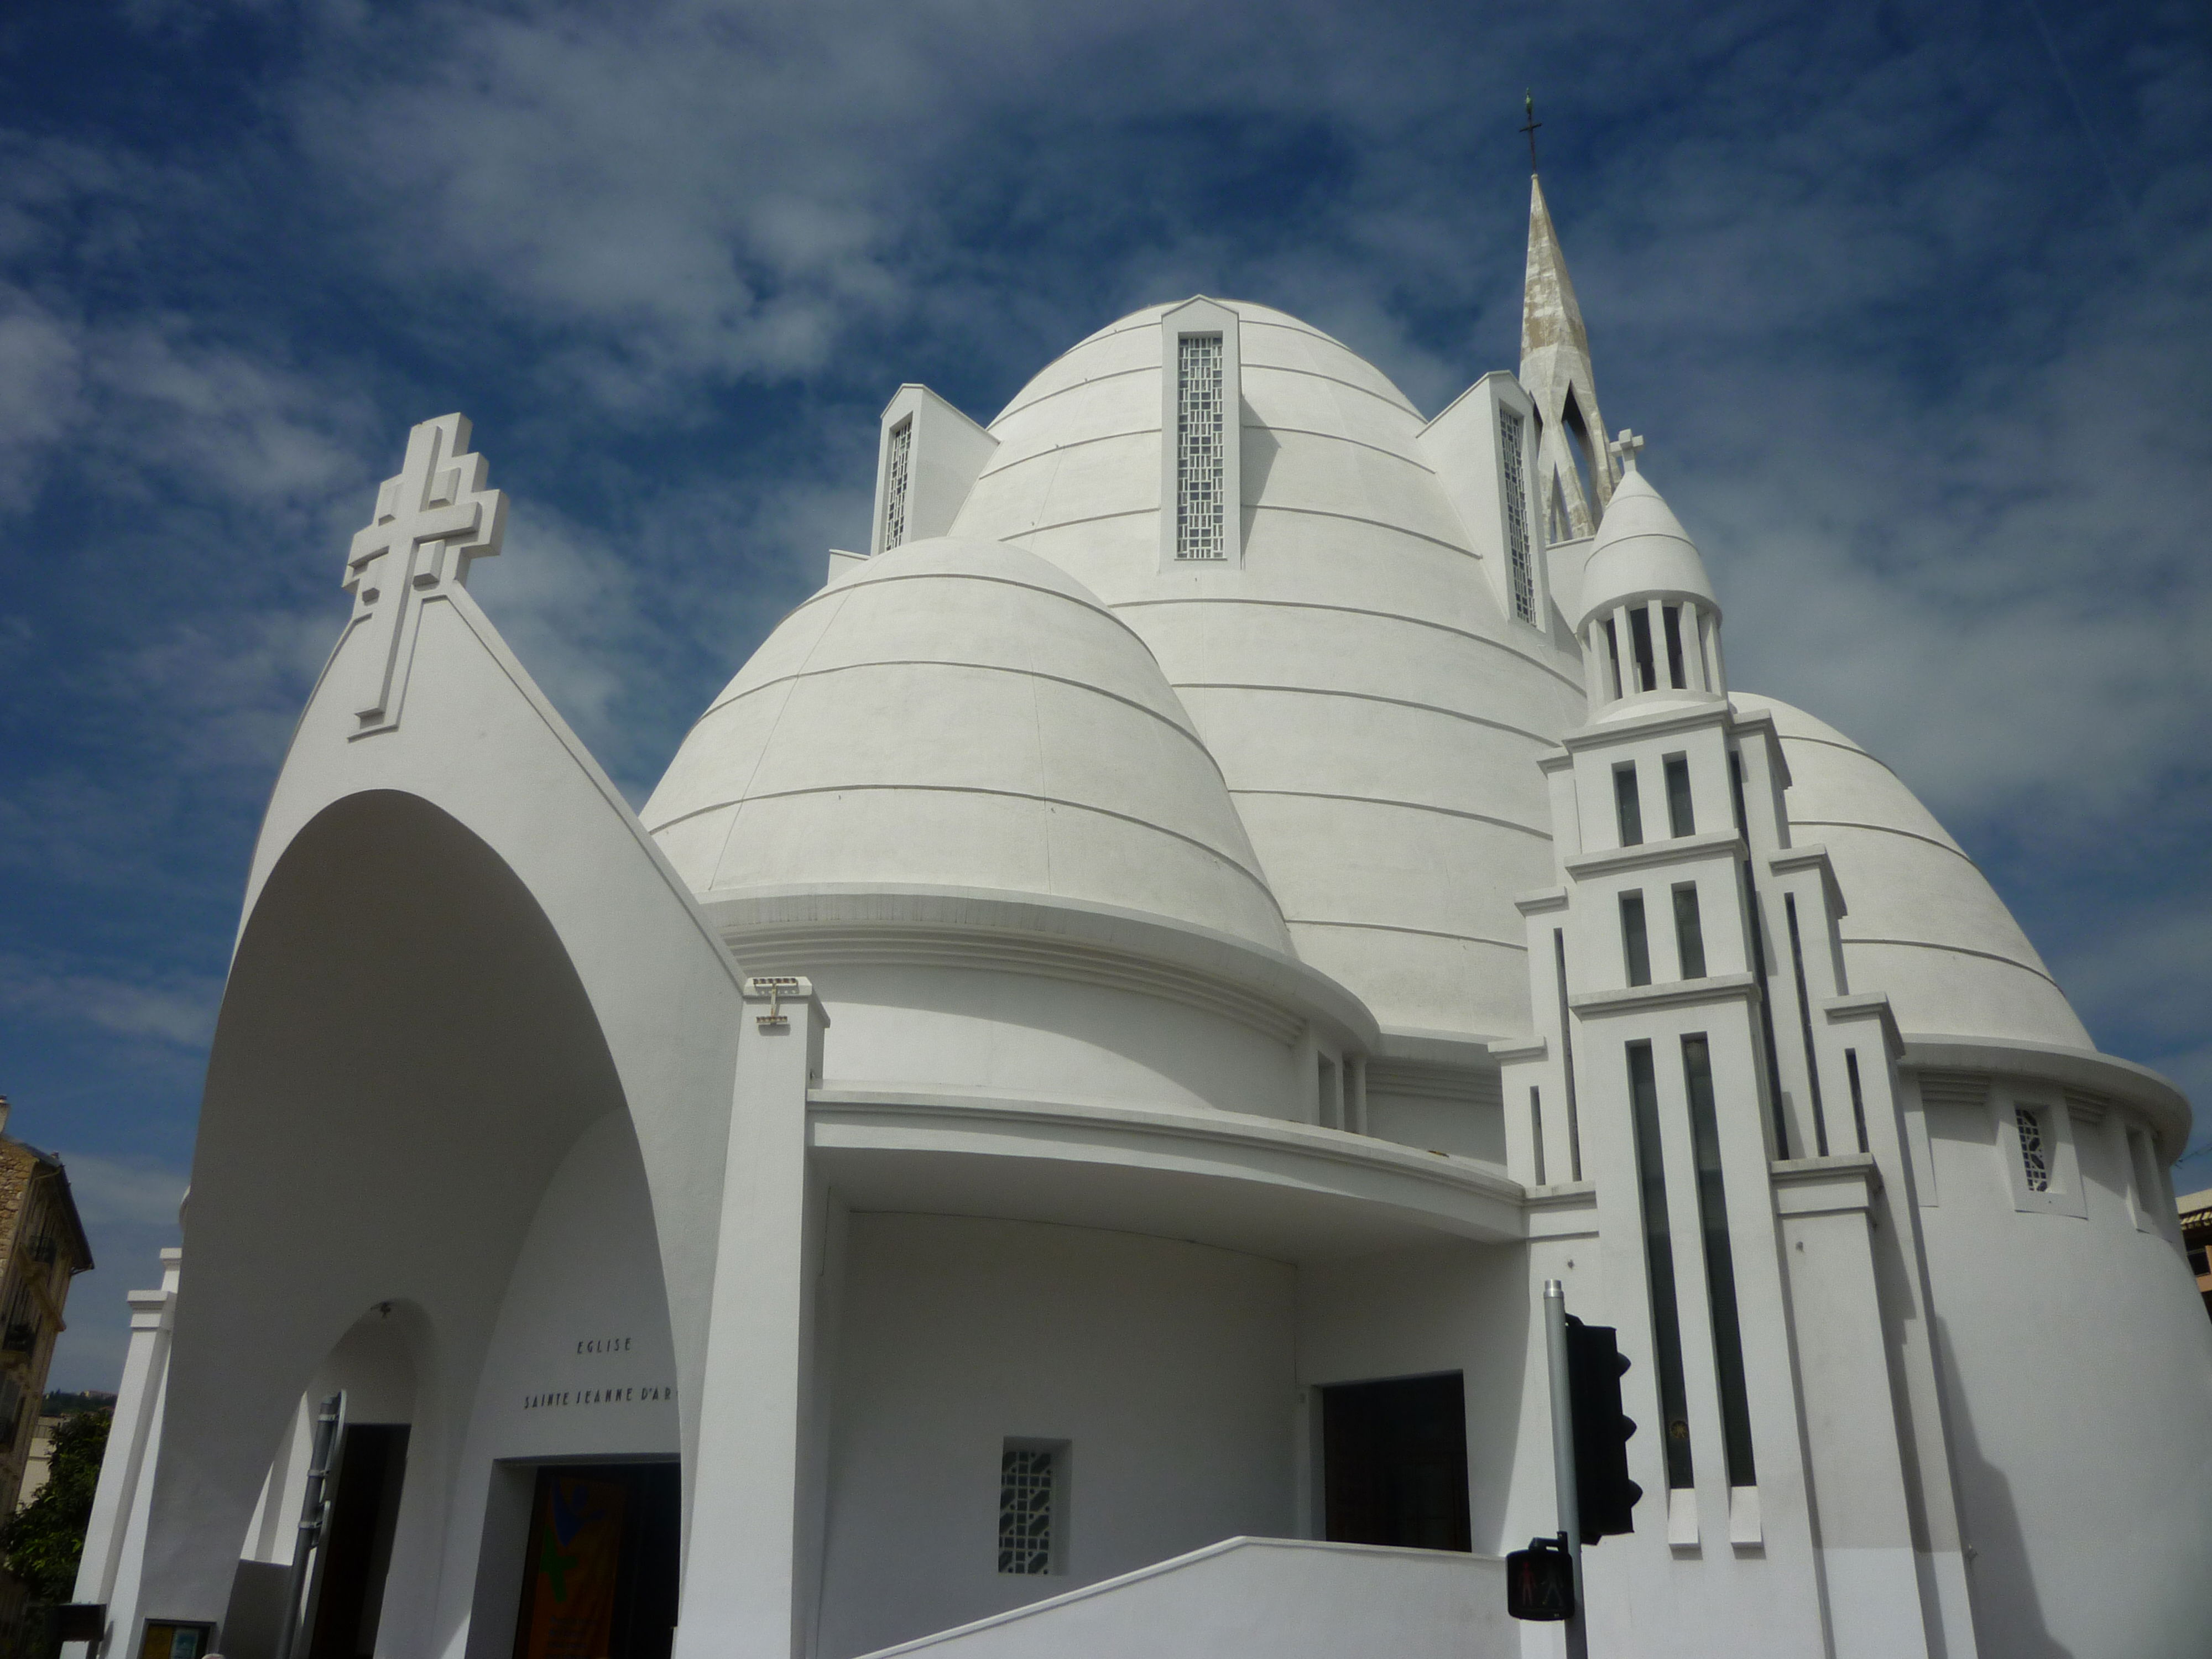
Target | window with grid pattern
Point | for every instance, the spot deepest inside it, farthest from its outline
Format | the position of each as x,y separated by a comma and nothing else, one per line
1200,434
1519,563
2034,1155
896,465
1025,1510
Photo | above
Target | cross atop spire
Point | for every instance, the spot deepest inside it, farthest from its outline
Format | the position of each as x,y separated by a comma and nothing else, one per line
1574,473
1528,102
1625,447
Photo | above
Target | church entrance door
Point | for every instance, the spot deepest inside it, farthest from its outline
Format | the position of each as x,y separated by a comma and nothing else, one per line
348,1600
1393,1456
599,1581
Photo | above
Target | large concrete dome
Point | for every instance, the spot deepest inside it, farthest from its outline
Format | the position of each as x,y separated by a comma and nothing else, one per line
1924,924
1376,715
959,713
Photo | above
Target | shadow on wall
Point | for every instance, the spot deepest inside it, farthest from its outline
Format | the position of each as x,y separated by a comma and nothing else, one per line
1257,458
2000,1580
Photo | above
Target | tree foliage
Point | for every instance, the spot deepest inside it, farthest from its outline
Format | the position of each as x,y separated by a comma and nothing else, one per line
42,1540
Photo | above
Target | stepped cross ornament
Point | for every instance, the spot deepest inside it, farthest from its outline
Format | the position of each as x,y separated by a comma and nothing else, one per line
1625,447
431,521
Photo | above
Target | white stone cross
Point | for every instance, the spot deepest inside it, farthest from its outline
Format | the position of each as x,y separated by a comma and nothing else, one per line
431,521
1625,447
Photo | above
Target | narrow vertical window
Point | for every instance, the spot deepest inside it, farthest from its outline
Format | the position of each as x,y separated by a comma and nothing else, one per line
1612,656
1682,816
1026,1482
1520,565
1805,1026
2034,1152
1536,1130
1720,1264
1627,805
1858,1099
1735,789
1567,1059
1671,619
1635,940
1199,439
898,462
1689,935
1768,1047
1659,1265
1639,634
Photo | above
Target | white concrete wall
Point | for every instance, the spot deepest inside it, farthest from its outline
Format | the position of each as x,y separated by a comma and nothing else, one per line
2078,1371
1027,1036
1166,1366
1266,1598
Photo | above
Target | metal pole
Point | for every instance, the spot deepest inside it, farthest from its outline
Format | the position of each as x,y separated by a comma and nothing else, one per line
314,1510
1563,1456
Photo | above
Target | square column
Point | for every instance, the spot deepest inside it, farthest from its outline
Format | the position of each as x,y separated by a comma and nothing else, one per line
751,1551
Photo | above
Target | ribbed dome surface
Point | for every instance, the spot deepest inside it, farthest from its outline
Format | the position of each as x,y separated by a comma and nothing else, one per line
1924,924
1641,552
1377,716
960,713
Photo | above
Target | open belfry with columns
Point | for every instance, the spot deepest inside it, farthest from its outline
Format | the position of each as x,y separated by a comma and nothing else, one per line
1046,1134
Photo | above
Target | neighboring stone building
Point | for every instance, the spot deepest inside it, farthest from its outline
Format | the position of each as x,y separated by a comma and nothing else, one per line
2196,1238
42,1248
1045,1135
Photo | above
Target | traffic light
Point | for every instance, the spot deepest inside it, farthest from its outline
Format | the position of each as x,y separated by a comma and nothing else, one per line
1604,1494
1540,1581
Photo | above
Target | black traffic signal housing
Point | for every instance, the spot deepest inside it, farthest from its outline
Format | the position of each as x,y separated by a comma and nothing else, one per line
1540,1581
1604,1494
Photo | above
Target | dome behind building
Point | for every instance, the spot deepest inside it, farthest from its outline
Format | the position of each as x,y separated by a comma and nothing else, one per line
1924,924
1375,713
960,713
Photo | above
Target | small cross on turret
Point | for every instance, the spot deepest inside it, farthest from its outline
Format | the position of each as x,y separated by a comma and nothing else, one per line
430,522
1625,447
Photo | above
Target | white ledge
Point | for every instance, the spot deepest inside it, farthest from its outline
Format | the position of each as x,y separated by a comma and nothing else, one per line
1673,993
1678,849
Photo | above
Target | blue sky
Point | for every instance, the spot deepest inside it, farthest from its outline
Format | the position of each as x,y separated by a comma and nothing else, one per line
1915,304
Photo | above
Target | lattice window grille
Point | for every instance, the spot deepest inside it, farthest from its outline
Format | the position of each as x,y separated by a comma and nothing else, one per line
2034,1157
895,467
1025,1511
1519,562
1200,423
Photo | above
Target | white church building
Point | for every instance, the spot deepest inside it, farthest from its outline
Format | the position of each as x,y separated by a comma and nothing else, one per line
1046,1134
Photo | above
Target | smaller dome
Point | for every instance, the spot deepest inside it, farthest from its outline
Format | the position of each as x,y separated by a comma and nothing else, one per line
960,713
1924,924
1642,552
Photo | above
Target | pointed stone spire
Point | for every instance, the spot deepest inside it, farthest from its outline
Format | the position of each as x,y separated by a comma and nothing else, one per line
1555,371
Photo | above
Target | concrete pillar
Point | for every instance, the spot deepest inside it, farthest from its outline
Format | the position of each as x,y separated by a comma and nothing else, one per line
1597,673
1692,625
127,1470
1712,624
1663,677
1624,642
749,1557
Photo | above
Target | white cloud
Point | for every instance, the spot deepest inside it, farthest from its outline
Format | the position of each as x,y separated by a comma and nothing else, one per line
179,1009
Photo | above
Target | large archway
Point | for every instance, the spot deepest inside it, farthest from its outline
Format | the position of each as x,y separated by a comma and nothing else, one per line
404,1055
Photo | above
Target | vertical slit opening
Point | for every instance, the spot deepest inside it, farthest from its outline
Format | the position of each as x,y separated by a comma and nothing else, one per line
1805,1024
1720,1264
1635,939
1681,813
1859,1100
1627,805
1612,656
1536,1130
1689,933
1659,1267
1639,634
1671,620
1567,1059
